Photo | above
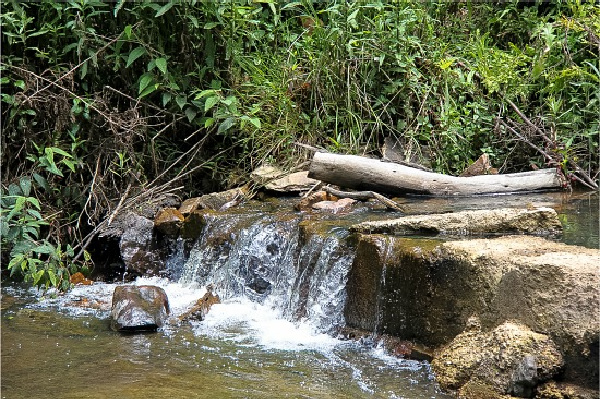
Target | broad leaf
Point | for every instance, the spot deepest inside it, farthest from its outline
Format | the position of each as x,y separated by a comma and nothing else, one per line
134,55
181,101
145,81
161,64
25,184
190,113
163,9
210,102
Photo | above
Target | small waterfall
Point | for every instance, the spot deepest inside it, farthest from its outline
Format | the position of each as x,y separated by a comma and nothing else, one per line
270,259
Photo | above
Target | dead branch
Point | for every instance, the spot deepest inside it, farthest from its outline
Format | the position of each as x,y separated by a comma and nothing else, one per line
364,196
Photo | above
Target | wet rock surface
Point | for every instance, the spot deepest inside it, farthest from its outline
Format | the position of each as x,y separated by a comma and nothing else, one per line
509,360
417,289
542,221
138,308
199,310
168,221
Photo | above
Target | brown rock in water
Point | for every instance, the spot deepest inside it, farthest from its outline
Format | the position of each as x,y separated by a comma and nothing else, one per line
79,279
168,221
138,308
510,360
201,307
341,205
306,203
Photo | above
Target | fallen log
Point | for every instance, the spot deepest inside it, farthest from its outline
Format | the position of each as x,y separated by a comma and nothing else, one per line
360,173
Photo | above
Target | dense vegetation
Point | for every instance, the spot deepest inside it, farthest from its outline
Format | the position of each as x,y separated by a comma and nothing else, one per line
106,106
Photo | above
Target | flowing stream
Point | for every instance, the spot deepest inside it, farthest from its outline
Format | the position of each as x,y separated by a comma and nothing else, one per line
281,278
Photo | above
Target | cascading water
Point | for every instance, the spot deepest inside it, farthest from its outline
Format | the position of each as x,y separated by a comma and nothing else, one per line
270,259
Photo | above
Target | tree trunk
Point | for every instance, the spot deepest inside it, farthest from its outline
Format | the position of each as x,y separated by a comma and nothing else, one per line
351,171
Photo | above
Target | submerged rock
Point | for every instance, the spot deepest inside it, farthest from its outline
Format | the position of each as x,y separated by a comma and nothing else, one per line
509,360
541,221
201,307
138,308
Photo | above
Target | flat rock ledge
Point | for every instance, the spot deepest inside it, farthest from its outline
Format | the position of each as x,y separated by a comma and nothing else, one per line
540,221
427,289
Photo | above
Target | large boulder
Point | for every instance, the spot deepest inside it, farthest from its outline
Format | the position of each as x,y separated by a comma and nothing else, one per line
136,245
509,360
426,290
138,308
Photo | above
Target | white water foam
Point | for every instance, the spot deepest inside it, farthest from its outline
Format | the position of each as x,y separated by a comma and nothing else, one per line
250,323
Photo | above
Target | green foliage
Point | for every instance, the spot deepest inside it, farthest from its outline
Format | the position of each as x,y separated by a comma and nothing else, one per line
101,99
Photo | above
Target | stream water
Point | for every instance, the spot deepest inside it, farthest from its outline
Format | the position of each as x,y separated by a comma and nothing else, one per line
281,280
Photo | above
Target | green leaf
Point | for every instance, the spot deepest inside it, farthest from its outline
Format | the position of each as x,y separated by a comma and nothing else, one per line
209,122
61,152
25,184
210,25
205,93
44,249
226,125
134,55
181,101
70,251
33,201
20,84
210,102
52,168
41,181
166,98
52,277
37,276
163,9
127,31
70,164
145,81
149,90
34,213
190,113
83,71
256,122
161,64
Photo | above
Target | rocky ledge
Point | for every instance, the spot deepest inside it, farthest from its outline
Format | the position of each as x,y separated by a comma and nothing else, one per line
427,290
